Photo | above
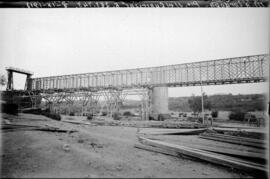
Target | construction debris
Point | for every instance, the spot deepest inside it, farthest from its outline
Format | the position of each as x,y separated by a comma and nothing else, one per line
176,150
76,122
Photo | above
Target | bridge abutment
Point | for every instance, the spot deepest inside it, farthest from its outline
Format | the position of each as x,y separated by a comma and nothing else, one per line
160,104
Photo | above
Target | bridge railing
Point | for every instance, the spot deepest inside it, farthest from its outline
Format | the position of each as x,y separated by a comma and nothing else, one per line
231,70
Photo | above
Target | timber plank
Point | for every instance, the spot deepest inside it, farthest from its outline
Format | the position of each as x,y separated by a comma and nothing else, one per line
233,141
156,149
173,131
203,151
76,122
259,141
207,156
254,131
232,152
162,151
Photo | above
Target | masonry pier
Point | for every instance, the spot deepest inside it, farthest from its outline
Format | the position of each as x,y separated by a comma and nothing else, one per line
160,101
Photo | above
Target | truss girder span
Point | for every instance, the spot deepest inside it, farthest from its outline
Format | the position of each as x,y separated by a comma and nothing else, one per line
231,70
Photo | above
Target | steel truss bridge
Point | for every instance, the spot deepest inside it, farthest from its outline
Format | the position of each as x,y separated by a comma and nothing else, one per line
113,86
232,70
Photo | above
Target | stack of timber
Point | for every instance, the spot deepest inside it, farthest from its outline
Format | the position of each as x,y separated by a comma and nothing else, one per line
172,131
252,161
241,152
77,122
257,133
252,130
234,140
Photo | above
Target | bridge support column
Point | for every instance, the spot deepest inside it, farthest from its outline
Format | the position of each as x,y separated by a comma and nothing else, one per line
10,80
159,101
28,82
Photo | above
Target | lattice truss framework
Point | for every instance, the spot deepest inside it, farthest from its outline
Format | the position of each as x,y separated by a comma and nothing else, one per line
232,70
109,100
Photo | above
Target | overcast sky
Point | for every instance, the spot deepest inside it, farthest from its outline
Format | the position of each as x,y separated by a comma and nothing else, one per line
67,41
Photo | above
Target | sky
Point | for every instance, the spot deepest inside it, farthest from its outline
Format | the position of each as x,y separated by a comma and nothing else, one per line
68,41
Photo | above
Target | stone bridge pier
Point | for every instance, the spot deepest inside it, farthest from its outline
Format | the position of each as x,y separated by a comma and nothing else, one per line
160,104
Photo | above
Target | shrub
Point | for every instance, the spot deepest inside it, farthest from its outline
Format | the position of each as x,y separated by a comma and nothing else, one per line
214,114
90,116
116,116
32,111
55,116
104,113
10,108
250,117
47,110
238,116
127,113
151,118
200,120
162,117
71,114
52,115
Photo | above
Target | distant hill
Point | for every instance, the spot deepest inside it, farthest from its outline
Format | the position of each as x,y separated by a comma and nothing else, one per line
225,102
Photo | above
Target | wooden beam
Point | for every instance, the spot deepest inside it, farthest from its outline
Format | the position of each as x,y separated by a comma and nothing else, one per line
76,122
157,149
173,131
207,156
232,152
17,127
232,141
162,151
259,141
253,131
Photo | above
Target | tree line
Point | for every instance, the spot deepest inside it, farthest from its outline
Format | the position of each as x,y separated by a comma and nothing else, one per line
224,102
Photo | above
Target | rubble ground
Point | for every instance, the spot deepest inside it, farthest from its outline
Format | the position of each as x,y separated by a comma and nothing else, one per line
93,151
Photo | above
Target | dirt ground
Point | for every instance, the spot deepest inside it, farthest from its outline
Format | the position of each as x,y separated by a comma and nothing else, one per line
93,151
